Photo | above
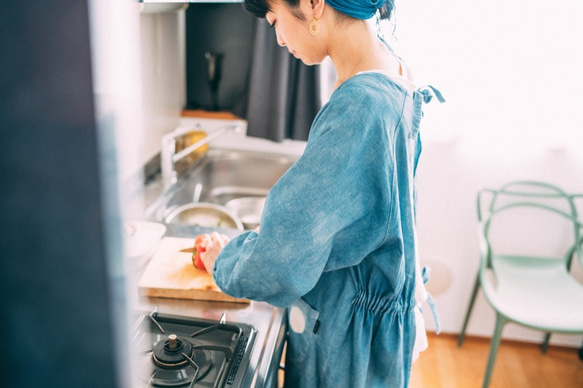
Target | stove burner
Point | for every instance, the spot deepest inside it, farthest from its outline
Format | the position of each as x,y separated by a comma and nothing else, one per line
168,353
174,369
213,358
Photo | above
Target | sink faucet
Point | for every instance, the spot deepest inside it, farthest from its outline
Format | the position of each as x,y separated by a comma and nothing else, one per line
169,156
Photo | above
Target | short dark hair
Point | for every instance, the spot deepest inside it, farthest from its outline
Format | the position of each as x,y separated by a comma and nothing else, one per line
260,8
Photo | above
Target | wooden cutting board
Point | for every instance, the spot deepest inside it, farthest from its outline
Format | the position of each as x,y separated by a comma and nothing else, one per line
171,274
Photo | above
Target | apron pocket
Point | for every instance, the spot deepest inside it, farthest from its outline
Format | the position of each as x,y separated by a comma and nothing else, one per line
303,325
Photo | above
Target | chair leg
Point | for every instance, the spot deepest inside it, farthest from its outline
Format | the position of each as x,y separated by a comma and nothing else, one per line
545,344
469,311
494,345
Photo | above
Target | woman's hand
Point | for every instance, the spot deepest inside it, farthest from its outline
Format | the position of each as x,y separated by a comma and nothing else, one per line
213,248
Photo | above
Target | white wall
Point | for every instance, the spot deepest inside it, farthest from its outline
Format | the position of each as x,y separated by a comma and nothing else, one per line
162,36
449,178
510,72
139,83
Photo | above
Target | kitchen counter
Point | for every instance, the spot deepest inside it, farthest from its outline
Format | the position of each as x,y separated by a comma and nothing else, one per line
269,321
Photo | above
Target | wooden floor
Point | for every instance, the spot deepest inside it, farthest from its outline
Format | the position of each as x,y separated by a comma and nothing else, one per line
518,365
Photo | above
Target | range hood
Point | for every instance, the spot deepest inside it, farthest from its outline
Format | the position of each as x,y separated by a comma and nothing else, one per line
170,2
159,6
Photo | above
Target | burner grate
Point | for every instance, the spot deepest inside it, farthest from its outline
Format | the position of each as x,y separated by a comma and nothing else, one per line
197,352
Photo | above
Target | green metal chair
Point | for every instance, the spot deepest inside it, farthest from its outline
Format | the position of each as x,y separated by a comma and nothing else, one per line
533,289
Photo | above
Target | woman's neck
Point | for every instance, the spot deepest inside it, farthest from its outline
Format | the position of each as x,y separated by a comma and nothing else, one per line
357,48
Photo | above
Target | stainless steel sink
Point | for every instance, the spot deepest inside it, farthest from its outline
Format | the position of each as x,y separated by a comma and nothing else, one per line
220,176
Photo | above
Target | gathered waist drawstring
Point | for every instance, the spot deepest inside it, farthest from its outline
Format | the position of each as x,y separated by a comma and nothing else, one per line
382,305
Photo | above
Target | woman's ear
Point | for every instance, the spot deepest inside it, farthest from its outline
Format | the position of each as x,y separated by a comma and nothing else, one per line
317,7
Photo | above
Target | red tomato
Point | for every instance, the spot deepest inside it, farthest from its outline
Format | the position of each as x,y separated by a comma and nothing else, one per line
200,243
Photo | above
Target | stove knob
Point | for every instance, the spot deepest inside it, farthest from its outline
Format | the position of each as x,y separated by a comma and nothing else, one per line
172,341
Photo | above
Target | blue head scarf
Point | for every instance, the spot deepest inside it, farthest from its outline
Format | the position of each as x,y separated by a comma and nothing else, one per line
359,9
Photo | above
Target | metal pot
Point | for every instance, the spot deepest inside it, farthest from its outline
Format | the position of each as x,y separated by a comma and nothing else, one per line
248,209
204,214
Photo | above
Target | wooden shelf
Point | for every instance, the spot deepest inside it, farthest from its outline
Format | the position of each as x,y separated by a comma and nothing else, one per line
205,114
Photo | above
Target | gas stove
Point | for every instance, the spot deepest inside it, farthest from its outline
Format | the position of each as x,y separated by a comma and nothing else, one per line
175,351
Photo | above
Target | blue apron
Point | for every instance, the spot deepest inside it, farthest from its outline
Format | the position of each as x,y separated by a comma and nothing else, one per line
337,241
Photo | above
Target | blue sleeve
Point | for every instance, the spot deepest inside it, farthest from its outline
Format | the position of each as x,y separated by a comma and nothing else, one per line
327,212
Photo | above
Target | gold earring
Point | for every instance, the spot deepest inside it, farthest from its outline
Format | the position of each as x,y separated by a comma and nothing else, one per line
314,26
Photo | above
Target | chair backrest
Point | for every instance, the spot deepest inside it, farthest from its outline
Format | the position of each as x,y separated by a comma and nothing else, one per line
528,218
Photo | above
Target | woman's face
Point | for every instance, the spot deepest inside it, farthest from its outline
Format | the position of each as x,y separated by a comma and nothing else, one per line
292,32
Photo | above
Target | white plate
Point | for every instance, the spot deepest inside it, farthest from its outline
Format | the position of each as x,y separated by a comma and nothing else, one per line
141,238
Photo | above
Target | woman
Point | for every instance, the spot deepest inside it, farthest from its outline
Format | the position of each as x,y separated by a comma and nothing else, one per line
337,239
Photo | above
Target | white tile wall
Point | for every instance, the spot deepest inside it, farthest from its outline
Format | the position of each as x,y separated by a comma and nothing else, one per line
162,45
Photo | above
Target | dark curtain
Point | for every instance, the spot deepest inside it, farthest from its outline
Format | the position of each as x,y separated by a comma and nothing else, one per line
284,94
